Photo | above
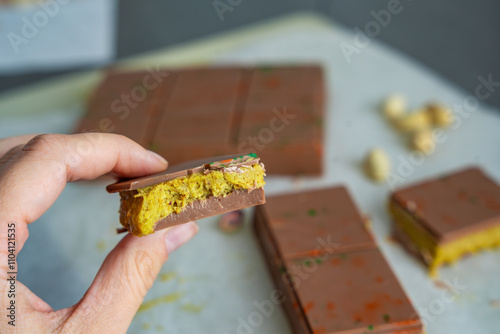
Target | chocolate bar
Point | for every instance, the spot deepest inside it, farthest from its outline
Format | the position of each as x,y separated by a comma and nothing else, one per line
323,258
194,113
442,219
190,191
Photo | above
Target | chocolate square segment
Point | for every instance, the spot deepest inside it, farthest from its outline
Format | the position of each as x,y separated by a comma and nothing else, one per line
359,294
306,223
127,104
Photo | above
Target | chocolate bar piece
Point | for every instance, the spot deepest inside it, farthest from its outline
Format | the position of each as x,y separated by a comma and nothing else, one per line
442,219
194,113
190,191
325,261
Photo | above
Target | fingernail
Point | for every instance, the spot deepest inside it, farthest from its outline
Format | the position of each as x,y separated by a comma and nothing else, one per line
158,157
179,235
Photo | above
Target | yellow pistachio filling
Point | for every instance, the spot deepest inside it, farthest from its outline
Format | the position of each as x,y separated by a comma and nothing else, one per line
140,209
436,254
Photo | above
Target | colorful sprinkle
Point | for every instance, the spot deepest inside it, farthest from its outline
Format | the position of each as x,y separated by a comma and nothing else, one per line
370,327
284,141
312,212
313,253
309,306
473,199
153,147
386,317
318,121
265,69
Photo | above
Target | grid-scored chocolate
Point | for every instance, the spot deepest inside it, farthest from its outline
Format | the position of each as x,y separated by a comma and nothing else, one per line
195,113
333,278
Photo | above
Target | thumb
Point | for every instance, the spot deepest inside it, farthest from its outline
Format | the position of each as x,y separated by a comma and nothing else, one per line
124,279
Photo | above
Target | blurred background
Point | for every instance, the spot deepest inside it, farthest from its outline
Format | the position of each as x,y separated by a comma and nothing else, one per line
427,50
456,38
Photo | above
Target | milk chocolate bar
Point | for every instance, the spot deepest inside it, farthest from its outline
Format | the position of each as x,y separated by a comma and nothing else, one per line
193,113
190,191
442,219
323,258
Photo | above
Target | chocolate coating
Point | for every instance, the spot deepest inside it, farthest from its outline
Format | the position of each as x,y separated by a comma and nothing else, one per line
174,172
212,206
452,206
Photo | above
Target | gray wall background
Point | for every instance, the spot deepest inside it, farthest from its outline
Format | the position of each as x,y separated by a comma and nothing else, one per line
459,39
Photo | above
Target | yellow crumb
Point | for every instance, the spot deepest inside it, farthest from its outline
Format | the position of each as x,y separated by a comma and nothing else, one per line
173,297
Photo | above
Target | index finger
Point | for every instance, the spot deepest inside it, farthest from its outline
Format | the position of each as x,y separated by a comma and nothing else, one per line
32,179
8,143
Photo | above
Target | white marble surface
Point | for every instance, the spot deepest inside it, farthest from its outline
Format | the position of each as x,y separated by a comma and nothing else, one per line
216,279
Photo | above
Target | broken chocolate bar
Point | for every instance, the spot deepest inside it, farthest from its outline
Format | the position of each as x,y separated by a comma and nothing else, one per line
442,219
190,191
325,261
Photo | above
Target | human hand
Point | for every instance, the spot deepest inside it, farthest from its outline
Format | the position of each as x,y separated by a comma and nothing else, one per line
32,176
